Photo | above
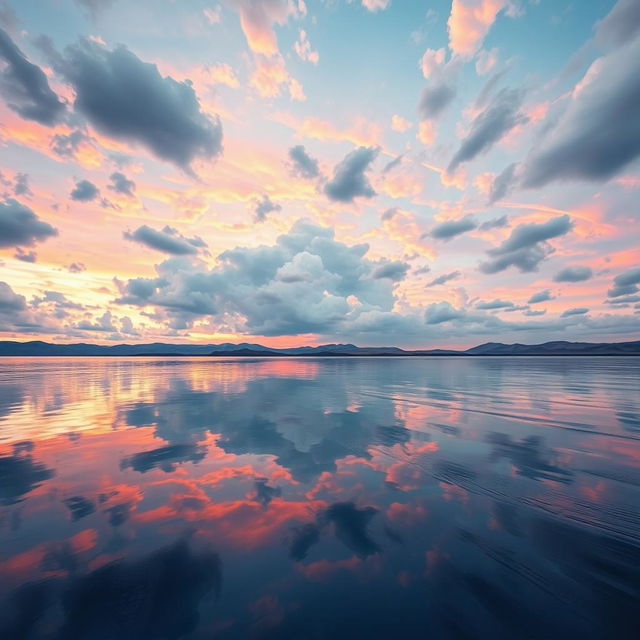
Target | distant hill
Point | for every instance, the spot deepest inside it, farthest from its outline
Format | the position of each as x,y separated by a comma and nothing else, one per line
229,349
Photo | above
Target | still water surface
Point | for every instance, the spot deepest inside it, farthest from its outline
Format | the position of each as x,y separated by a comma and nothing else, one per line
149,498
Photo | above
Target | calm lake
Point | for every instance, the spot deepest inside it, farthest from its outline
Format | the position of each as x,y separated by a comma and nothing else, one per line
165,498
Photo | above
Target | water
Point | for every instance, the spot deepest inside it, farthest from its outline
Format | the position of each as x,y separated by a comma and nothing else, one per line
152,498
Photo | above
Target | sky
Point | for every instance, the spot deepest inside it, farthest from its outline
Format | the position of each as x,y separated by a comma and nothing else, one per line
419,173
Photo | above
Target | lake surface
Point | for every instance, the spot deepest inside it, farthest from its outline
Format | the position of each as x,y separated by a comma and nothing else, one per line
145,498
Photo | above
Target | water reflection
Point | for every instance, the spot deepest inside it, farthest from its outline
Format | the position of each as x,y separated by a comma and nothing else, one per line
186,498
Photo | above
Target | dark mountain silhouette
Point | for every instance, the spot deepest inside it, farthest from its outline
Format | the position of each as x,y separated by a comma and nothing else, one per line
228,349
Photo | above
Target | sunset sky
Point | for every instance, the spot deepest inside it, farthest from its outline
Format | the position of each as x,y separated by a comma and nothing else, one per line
413,172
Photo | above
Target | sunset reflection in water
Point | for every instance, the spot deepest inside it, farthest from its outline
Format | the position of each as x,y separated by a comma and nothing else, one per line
337,497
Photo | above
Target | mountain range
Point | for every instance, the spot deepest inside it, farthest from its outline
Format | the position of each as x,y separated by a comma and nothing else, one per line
227,349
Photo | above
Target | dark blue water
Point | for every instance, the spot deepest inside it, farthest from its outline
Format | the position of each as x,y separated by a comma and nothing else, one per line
332,498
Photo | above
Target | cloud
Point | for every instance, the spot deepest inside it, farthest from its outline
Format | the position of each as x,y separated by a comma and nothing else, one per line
599,133
494,304
351,526
502,183
392,164
265,206
541,296
626,284
303,164
127,99
435,98
451,228
10,302
392,270
121,184
469,23
573,274
25,256
620,25
527,246
21,186
444,278
376,5
349,178
494,223
502,115
257,19
84,191
307,282
20,226
303,48
96,7
440,312
167,240
24,86
576,311
76,267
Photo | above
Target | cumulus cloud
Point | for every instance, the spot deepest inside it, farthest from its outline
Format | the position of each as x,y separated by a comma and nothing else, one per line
440,90
392,270
502,183
302,164
21,185
444,278
84,191
349,177
440,312
626,284
10,302
121,184
20,226
167,240
502,115
599,133
541,296
451,228
376,5
573,274
264,206
527,246
469,22
307,282
576,311
25,87
127,99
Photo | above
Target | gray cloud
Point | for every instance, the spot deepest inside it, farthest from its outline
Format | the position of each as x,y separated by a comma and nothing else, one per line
121,184
494,304
502,183
527,246
392,270
128,99
25,87
492,124
573,274
10,302
25,256
392,164
303,164
626,284
576,311
84,191
265,206
541,296
21,186
167,240
599,133
451,228
435,98
440,312
495,223
20,226
620,25
349,178
444,278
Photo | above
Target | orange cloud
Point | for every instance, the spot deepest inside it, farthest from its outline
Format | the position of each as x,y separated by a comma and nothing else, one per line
469,23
